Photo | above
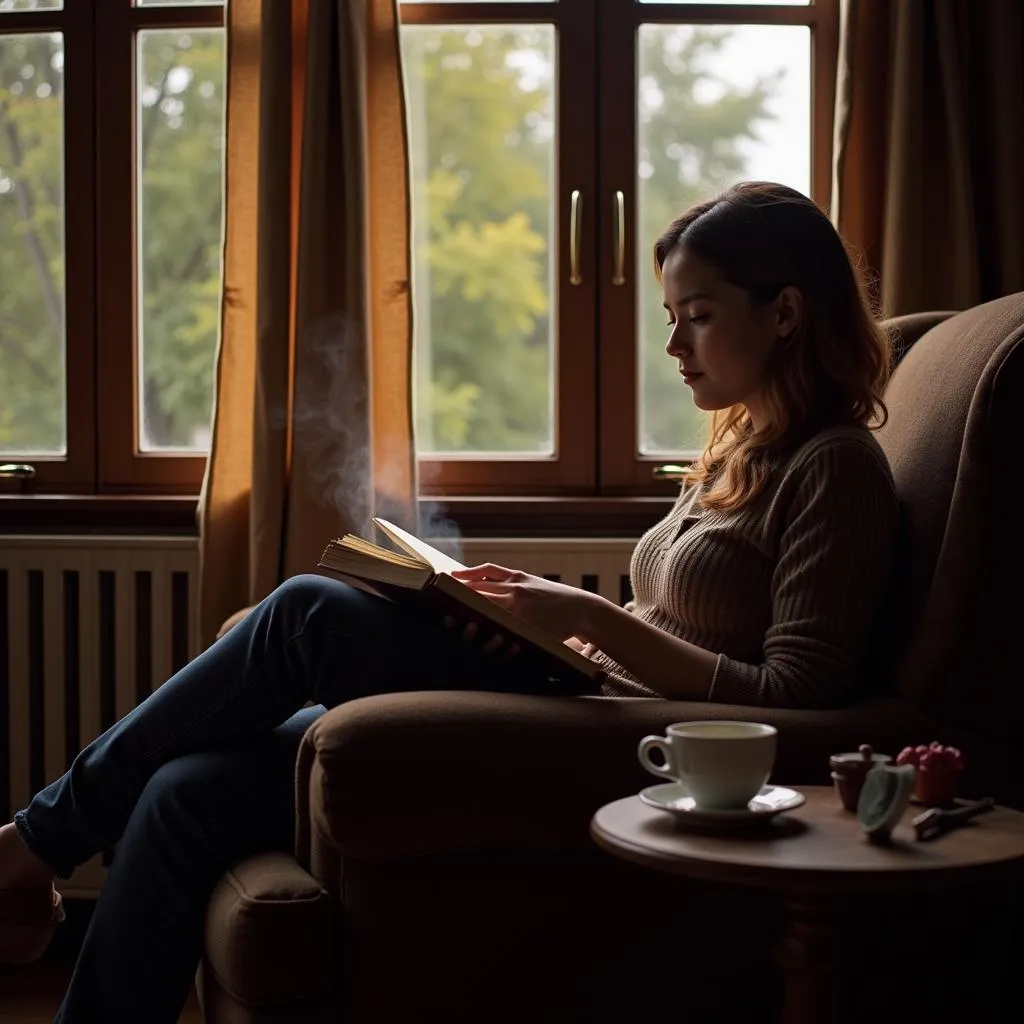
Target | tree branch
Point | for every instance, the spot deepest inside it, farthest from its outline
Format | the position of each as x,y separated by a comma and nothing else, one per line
191,265
25,198
147,126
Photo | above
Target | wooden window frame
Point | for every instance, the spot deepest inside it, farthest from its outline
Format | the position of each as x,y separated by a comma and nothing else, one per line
596,333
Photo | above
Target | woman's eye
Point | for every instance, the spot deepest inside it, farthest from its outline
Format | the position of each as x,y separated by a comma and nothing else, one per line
700,319
670,323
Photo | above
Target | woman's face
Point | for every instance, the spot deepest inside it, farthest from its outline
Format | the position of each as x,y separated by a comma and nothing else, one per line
720,338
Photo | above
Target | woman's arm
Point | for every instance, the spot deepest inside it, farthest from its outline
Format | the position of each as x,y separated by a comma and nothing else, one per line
662,662
835,564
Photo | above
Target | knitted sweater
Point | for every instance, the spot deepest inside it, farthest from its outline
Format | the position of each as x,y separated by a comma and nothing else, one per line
786,590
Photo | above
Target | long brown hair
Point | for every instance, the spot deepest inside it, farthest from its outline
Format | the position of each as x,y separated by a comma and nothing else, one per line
832,370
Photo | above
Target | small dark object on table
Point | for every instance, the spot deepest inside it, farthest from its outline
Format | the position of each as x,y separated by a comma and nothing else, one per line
937,820
850,770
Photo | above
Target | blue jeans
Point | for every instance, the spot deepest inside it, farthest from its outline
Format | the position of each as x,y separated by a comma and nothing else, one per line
199,775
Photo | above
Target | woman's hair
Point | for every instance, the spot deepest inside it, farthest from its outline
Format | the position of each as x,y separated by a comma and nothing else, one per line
831,370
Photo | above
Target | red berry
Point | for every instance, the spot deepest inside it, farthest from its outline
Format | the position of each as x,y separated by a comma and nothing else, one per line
906,756
919,750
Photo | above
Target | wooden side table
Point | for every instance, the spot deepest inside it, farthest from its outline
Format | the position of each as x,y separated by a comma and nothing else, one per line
812,855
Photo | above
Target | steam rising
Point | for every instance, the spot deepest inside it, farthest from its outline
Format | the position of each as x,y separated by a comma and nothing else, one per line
331,435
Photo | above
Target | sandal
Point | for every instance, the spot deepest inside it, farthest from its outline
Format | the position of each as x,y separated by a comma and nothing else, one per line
27,921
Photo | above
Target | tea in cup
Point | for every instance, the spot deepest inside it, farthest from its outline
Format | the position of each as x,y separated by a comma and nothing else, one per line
721,765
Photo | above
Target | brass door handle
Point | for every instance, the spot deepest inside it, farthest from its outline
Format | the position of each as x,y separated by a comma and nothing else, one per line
619,241
575,236
670,471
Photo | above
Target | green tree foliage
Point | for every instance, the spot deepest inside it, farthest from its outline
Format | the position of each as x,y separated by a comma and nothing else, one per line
180,141
32,416
481,110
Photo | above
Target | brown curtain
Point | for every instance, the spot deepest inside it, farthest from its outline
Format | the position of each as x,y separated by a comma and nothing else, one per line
928,178
312,430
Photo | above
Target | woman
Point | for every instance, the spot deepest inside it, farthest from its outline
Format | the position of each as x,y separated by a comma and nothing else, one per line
760,587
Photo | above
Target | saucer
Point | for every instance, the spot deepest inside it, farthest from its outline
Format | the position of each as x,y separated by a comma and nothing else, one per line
672,797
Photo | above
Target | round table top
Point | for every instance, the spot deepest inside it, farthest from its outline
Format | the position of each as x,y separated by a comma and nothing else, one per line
818,845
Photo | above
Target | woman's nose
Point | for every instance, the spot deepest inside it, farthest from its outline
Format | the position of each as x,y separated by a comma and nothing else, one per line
677,344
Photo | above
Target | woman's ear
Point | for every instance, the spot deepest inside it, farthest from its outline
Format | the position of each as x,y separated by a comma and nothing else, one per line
789,311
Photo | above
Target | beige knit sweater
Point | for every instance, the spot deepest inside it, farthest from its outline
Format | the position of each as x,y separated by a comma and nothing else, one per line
784,591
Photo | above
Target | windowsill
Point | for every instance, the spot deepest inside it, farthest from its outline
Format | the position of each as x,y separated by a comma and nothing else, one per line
474,517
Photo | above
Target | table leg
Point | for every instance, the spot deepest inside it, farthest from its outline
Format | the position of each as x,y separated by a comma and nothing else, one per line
807,956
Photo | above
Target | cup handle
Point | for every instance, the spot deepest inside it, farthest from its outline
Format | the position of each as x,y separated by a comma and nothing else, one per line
649,743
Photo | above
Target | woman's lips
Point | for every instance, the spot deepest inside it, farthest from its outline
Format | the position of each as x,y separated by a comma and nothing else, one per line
689,376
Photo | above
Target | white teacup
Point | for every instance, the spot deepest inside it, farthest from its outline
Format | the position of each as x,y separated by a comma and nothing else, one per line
721,765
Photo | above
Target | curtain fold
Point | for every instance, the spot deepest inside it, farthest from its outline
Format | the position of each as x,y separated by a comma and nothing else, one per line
929,154
313,426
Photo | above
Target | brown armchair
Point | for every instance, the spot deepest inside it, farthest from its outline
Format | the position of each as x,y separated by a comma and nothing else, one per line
443,869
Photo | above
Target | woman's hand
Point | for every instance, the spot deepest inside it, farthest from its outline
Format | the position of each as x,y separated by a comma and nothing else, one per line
558,609
494,643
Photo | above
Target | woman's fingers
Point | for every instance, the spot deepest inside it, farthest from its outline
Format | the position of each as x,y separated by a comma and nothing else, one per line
472,629
469,631
487,571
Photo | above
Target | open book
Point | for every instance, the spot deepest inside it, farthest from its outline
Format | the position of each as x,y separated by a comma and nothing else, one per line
420,574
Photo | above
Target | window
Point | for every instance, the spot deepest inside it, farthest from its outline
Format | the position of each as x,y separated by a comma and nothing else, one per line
551,141
111,153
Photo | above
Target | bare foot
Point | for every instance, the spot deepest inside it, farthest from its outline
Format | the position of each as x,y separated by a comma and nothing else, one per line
20,868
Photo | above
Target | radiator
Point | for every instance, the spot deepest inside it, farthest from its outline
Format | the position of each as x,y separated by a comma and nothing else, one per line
90,625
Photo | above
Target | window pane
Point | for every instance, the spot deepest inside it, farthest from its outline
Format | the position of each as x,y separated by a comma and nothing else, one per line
30,5
482,124
32,371
180,160
766,3
717,105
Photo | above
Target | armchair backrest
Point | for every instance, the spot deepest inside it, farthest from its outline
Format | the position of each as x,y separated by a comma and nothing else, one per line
955,441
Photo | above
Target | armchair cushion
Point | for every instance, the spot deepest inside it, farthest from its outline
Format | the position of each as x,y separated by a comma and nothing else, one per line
268,932
409,774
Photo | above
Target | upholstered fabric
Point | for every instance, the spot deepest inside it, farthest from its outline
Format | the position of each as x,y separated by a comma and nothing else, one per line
950,460
487,764
269,933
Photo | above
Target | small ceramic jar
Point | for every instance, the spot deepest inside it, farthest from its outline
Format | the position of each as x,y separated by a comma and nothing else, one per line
849,771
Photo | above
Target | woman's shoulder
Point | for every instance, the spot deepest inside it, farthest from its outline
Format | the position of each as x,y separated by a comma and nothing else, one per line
849,451
839,468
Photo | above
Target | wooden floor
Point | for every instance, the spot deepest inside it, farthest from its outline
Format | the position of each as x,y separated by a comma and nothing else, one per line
31,995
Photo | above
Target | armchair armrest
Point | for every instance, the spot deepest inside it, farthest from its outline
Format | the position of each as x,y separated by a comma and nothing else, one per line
411,774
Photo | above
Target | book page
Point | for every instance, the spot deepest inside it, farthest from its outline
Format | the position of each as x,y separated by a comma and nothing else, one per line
437,560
